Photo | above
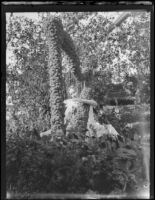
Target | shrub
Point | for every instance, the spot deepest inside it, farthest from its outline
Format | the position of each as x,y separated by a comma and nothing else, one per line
66,165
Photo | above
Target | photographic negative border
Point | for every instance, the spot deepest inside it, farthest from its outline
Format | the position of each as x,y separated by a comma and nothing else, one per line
72,6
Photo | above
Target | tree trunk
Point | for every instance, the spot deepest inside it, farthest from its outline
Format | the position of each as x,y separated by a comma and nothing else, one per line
80,118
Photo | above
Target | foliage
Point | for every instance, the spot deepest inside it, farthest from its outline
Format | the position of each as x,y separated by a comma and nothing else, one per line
53,30
110,58
27,73
67,165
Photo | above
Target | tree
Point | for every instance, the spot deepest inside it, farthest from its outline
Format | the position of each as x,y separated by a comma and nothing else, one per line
27,73
57,38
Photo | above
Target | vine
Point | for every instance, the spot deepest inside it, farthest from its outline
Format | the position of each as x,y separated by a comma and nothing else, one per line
53,30
57,39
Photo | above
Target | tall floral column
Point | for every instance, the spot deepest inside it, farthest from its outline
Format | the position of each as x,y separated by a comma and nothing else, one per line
54,30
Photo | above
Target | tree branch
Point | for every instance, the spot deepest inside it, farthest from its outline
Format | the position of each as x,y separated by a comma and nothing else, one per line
118,21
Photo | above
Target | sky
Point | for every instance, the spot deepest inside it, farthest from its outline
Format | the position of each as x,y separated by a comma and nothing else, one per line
31,15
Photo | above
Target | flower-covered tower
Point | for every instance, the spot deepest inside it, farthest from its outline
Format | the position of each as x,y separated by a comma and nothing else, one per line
53,29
